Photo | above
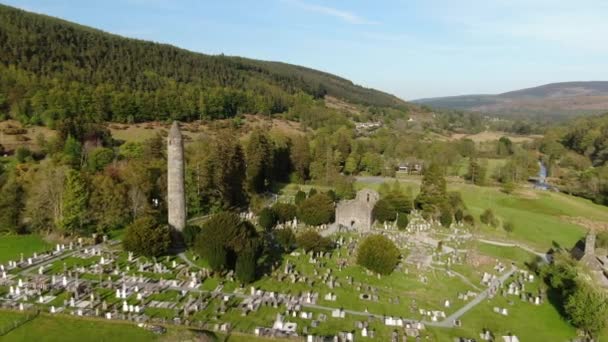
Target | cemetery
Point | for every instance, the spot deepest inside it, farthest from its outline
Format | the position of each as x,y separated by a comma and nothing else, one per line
308,296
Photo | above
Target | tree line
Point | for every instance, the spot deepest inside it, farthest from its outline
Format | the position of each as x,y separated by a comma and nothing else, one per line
52,69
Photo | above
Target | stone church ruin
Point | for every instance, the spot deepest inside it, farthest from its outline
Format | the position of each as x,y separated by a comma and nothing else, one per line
358,213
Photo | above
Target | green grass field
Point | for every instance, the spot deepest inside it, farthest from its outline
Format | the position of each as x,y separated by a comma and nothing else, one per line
11,246
66,329
538,216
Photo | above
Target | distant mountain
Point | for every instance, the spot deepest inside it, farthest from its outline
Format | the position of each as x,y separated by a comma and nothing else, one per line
51,68
555,99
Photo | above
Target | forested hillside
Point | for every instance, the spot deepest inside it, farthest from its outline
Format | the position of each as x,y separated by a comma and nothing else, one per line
51,69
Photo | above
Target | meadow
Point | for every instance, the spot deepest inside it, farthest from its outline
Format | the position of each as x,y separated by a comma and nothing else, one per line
12,246
539,217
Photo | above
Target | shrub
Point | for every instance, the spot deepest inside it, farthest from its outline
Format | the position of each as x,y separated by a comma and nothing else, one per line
446,217
384,211
246,265
487,217
300,197
459,215
508,187
99,158
190,233
22,154
316,210
378,254
145,237
267,219
313,241
402,221
469,220
286,238
509,227
285,211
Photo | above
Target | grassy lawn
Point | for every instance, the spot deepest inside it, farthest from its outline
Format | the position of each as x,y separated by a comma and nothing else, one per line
65,329
11,246
526,321
10,318
538,216
70,262
513,254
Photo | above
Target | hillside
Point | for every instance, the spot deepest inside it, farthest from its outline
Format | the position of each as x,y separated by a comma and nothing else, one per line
555,99
51,68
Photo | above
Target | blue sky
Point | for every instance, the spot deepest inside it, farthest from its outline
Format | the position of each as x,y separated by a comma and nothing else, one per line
411,48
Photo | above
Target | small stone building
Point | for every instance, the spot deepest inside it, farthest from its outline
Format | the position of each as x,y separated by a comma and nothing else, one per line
597,263
358,213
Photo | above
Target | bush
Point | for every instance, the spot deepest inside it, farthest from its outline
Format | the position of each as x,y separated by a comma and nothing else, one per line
509,227
286,238
384,211
246,266
469,220
267,219
22,154
99,158
285,211
190,233
300,197
332,195
313,241
487,217
445,217
458,215
316,210
402,221
508,187
378,254
145,237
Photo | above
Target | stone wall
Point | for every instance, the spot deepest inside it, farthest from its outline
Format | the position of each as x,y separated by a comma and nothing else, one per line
358,213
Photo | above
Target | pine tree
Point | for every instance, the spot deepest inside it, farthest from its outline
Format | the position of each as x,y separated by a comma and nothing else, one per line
226,168
72,151
476,173
246,265
432,191
300,157
259,155
74,204
11,206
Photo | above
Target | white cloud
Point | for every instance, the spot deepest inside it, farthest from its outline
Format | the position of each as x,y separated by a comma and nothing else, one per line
343,15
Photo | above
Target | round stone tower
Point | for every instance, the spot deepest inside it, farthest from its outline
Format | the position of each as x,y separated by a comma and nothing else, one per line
176,198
